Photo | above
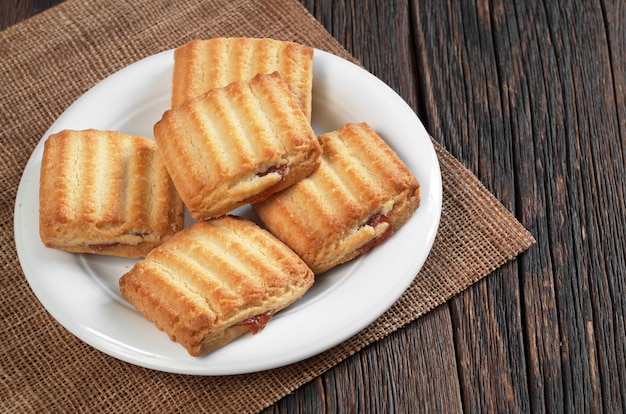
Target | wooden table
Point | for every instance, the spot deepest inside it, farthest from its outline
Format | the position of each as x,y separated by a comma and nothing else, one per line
531,98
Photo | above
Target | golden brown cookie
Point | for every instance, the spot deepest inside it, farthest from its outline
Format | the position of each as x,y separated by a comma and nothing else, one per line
106,192
201,65
236,145
215,281
360,194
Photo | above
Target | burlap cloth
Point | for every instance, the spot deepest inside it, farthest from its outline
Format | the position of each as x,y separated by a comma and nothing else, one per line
50,60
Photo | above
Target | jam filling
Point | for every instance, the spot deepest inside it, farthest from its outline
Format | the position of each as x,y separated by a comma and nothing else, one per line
256,323
374,221
280,169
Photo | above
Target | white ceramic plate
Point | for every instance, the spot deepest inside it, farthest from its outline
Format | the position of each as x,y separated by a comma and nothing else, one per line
81,291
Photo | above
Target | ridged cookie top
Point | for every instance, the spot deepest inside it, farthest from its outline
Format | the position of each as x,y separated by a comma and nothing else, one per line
212,276
236,144
201,65
102,188
361,192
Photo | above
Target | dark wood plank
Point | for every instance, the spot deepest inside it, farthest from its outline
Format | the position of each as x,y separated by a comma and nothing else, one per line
613,373
555,81
14,11
519,46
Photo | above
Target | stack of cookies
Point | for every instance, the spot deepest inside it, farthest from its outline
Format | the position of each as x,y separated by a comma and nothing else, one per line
238,132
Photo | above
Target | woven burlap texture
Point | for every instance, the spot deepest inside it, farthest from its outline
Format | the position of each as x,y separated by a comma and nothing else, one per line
53,58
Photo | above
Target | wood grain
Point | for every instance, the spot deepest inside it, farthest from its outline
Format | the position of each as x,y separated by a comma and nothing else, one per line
14,11
530,96
527,95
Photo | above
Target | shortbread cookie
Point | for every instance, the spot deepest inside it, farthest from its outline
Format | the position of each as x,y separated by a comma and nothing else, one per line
106,192
201,65
236,145
215,281
359,195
